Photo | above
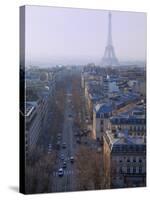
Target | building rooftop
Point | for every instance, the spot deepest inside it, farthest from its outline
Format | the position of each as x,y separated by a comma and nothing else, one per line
122,142
29,107
128,119
103,108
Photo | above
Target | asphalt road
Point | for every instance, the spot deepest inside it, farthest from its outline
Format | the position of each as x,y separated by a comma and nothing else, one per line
67,181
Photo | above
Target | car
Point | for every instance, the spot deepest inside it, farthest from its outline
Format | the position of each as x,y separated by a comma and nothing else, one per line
49,146
64,164
60,172
58,144
62,157
64,145
72,159
59,136
76,134
49,150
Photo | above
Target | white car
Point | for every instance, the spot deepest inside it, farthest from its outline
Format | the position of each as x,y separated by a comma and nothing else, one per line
72,159
60,172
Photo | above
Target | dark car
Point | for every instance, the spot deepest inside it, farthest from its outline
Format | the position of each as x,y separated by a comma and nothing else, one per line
60,172
62,157
64,164
58,145
76,134
64,145
59,136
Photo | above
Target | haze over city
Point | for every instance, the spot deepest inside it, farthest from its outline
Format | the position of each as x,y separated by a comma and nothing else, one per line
84,99
79,36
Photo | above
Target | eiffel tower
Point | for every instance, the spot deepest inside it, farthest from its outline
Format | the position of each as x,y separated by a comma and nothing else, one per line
109,58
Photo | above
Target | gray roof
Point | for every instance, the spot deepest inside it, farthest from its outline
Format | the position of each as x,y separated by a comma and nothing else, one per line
123,143
103,108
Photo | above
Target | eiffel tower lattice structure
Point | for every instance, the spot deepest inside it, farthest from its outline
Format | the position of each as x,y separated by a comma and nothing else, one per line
109,58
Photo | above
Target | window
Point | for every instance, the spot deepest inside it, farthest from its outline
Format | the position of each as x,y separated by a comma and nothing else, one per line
140,160
120,169
113,130
102,116
114,170
134,169
128,160
134,128
140,170
139,128
128,170
102,122
134,159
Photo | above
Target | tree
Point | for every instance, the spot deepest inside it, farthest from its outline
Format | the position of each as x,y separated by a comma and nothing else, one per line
37,174
89,167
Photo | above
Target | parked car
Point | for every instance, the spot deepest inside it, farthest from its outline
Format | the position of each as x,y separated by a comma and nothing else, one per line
60,172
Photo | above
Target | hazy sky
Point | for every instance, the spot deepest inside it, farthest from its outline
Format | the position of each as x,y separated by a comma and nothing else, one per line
79,36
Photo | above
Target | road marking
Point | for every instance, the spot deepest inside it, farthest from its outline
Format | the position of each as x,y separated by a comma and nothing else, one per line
66,173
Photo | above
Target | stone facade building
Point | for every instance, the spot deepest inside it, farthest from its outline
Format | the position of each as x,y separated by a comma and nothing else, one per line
101,114
124,159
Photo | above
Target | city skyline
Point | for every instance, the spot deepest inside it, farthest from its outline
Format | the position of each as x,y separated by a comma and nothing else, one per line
82,108
79,36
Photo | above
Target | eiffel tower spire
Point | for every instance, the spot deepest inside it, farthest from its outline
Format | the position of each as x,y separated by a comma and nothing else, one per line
109,31
109,58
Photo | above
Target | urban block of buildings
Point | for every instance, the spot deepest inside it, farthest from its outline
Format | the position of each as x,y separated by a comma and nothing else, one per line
117,107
